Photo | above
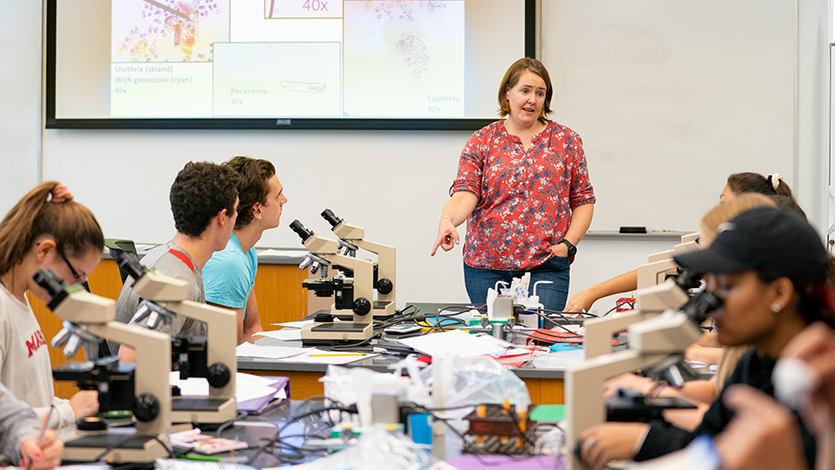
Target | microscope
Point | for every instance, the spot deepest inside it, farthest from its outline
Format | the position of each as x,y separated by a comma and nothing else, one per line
212,357
656,344
351,237
141,387
655,271
352,295
656,293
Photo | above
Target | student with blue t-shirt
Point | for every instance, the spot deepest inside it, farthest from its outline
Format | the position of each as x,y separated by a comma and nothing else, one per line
229,276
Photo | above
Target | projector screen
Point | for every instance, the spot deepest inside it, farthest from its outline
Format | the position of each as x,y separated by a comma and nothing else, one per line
397,64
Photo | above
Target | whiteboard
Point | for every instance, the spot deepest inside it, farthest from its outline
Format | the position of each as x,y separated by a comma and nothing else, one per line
672,96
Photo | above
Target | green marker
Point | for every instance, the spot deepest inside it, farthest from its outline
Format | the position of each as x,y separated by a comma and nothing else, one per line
199,457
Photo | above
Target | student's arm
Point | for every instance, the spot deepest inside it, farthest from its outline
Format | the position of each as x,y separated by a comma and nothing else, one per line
702,391
583,300
252,321
455,212
708,355
127,354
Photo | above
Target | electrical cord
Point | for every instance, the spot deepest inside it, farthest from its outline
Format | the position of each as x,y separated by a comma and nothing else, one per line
128,440
227,424
617,306
269,445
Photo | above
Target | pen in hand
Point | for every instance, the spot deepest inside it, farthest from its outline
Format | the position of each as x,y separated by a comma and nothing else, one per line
40,436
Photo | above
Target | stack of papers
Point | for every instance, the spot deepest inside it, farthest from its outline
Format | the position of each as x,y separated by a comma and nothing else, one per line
456,342
253,393
268,352
300,355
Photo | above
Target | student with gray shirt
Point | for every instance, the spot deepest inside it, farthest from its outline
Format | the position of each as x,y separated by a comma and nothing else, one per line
20,435
204,200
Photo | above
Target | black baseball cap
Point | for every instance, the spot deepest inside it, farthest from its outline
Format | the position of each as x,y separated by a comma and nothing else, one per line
772,241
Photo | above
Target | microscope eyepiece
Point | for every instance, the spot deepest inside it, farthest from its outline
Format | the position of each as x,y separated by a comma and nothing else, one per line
302,232
130,263
331,217
50,281
688,280
699,307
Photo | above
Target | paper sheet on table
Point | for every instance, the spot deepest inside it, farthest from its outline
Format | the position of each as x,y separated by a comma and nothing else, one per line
327,357
267,352
247,386
284,334
456,341
294,324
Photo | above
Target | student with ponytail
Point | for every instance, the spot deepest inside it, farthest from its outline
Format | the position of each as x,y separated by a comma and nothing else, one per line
747,182
46,229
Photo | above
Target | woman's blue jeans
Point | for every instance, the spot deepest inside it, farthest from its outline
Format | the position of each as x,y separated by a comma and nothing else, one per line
552,296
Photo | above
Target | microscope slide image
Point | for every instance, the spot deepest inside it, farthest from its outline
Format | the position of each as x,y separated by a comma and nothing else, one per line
161,53
410,52
277,79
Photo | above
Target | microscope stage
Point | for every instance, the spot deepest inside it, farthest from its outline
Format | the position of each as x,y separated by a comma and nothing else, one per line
197,403
122,448
335,333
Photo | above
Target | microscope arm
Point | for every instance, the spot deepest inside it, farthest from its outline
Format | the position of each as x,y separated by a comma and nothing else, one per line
650,301
648,274
153,358
222,339
599,331
386,264
585,404
363,277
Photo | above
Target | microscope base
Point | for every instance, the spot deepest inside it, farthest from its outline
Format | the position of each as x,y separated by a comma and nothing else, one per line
202,410
140,448
335,333
383,309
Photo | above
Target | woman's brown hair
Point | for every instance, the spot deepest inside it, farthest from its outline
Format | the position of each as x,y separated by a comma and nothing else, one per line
756,183
73,227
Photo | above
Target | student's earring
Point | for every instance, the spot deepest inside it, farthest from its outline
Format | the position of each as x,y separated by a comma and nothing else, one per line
775,307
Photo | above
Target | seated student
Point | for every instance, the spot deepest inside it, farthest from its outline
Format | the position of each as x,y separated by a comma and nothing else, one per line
229,276
769,268
20,433
738,183
39,233
762,433
700,392
203,200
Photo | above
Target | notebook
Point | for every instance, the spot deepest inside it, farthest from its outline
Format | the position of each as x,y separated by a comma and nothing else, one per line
257,406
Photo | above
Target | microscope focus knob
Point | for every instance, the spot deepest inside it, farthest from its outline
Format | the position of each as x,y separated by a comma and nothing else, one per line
384,286
362,306
146,407
219,375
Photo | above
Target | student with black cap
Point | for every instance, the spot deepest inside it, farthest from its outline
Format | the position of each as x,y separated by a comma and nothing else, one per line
769,268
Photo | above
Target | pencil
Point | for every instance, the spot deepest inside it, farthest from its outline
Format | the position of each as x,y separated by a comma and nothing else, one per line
43,431
344,354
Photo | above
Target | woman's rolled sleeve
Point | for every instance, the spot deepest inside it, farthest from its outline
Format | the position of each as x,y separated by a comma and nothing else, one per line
470,167
582,192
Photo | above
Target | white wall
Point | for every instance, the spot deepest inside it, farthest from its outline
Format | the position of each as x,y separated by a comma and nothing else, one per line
392,183
20,91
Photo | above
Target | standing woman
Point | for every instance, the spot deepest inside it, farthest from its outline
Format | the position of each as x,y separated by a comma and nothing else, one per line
42,233
523,188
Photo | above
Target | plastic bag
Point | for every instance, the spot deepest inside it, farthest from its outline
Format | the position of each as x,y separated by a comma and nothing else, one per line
473,381
340,386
